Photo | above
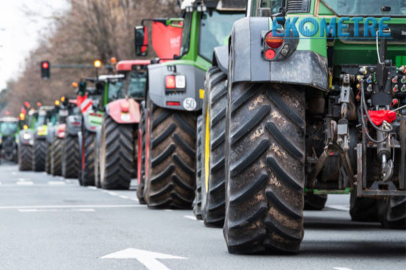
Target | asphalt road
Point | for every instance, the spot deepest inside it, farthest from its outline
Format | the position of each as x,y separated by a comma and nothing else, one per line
52,223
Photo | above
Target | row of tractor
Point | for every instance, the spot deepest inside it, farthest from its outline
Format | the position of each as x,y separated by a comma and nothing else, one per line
245,119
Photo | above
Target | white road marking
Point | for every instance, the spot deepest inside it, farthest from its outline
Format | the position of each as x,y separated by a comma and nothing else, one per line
25,183
123,197
168,210
339,207
134,199
21,179
112,193
56,183
71,181
13,173
341,268
69,206
95,188
55,210
147,258
193,218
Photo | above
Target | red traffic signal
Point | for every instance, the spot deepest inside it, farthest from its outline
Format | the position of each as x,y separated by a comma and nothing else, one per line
45,70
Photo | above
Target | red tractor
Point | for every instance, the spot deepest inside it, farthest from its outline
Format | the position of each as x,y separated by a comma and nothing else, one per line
117,138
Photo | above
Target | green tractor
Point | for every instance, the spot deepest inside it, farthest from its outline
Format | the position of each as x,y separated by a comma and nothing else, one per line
52,125
46,117
174,101
306,112
70,159
32,140
56,137
26,141
91,113
9,129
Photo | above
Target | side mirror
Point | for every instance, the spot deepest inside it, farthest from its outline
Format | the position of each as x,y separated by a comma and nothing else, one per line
141,40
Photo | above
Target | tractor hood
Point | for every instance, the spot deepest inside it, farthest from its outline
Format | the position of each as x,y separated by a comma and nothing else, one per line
124,111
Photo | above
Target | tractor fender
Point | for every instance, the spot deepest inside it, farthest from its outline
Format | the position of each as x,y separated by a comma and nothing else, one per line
220,58
26,137
301,67
124,111
88,124
188,100
73,124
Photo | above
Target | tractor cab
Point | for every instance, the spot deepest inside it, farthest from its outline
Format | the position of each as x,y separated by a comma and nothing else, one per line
135,81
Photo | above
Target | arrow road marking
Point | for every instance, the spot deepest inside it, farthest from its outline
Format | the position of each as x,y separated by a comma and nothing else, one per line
148,258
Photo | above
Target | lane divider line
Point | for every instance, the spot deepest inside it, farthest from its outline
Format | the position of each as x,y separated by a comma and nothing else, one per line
68,206
56,183
55,210
25,183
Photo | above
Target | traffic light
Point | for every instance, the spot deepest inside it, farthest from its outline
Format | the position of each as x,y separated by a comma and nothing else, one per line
45,70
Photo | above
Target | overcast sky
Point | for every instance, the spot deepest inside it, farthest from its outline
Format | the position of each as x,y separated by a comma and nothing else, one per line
19,33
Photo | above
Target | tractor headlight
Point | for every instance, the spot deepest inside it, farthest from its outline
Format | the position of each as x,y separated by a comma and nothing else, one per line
27,136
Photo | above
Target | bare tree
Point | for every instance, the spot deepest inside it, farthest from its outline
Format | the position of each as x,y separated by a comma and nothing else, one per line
91,29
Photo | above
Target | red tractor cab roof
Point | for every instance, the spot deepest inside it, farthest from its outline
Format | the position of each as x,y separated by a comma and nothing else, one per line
128,65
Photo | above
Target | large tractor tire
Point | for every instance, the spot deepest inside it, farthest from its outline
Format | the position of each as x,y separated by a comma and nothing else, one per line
56,157
117,165
48,158
171,158
363,209
25,157
39,155
88,158
70,157
314,202
197,203
141,154
265,146
213,153
392,213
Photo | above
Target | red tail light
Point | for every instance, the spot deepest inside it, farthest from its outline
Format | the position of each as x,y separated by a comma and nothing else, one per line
170,82
273,42
125,107
270,54
173,103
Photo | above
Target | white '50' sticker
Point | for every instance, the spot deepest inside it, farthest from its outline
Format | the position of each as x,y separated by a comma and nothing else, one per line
189,104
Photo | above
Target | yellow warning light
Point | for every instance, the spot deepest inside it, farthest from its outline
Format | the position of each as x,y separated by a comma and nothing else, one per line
63,99
97,64
75,85
25,127
22,116
57,103
113,60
